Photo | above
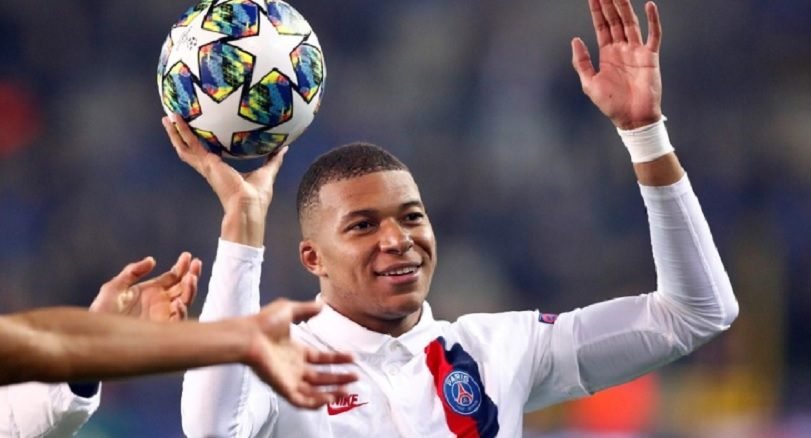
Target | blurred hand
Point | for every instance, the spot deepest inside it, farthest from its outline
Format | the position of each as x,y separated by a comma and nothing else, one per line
628,86
288,366
163,298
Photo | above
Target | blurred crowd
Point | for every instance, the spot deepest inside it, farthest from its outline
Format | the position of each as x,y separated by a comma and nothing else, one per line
528,187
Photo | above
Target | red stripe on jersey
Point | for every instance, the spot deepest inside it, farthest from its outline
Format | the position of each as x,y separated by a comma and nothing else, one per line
461,425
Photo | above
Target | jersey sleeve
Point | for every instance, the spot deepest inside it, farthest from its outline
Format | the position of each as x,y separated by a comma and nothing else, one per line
618,340
228,400
29,410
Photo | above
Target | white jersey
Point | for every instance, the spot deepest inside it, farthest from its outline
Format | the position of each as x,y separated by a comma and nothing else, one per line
477,376
40,410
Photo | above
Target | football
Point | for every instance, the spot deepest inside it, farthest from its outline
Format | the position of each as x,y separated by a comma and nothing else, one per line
247,75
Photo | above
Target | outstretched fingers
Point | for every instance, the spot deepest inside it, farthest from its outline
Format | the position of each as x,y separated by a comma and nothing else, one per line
614,21
184,140
308,397
189,282
266,175
328,357
133,272
654,27
326,378
600,25
176,274
629,21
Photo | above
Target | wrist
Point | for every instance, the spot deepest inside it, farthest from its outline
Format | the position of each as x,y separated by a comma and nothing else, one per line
647,143
246,227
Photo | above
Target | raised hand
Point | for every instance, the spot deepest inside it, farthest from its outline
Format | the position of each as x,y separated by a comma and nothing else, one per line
289,367
163,298
628,86
246,197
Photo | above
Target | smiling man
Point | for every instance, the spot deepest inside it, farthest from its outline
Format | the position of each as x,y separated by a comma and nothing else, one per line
368,240
367,237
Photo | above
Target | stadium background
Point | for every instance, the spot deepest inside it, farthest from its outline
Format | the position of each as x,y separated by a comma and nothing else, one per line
529,189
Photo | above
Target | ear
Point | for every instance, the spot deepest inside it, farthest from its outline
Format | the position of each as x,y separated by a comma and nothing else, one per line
310,258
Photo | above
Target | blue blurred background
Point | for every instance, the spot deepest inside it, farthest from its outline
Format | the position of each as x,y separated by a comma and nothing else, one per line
531,193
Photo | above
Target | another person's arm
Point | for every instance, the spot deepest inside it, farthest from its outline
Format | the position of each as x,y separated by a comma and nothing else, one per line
64,343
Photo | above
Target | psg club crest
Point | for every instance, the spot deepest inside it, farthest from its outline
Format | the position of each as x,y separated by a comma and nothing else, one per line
547,318
462,393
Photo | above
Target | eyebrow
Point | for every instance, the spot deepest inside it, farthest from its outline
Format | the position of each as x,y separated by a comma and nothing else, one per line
372,212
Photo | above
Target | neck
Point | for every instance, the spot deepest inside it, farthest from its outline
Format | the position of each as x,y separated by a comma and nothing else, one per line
392,326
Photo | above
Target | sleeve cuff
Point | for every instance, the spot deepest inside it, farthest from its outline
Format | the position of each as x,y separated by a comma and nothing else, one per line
239,251
85,389
672,191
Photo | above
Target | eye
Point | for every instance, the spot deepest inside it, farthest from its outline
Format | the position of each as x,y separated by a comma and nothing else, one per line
414,217
361,226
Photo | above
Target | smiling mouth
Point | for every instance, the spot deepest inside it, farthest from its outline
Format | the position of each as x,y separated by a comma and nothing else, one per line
399,272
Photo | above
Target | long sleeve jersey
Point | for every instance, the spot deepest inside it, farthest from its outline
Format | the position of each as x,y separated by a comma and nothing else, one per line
474,377
39,410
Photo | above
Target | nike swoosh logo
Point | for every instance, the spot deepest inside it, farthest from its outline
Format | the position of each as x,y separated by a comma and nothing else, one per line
335,410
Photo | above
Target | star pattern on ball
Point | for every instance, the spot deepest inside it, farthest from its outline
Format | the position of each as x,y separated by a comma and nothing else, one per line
213,114
296,124
268,36
194,36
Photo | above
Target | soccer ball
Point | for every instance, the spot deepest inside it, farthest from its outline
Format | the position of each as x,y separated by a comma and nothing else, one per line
247,75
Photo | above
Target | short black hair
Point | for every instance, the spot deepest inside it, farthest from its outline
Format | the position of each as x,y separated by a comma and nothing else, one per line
344,162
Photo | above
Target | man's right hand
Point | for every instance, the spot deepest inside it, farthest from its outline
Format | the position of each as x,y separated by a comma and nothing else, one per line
289,367
245,197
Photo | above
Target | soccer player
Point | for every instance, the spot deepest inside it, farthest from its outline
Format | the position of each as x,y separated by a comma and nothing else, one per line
368,240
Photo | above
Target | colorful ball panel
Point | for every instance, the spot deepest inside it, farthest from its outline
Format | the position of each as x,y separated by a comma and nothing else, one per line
209,140
193,12
309,66
270,102
255,143
287,20
223,69
236,18
178,92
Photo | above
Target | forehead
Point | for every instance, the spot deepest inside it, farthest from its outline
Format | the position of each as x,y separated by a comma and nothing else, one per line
373,191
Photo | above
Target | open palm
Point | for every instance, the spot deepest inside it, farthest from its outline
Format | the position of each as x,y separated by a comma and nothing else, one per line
163,298
628,86
291,368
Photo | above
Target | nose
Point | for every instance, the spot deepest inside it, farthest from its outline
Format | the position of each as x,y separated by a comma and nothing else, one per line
394,238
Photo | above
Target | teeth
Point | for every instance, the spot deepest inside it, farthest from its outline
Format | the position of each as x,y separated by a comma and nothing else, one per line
401,271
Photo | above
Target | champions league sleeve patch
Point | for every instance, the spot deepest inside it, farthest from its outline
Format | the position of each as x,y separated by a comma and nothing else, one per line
469,412
547,318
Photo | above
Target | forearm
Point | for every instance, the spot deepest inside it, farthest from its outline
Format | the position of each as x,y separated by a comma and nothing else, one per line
689,270
223,400
618,340
62,344
621,339
663,171
244,224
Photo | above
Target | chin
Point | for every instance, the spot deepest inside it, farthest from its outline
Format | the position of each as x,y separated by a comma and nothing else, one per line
404,304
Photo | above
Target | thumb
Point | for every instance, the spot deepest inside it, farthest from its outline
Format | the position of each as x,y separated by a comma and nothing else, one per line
266,175
134,272
581,61
302,311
